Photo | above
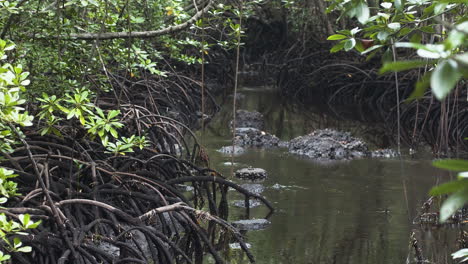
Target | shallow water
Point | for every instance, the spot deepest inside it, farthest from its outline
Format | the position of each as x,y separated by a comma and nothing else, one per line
358,211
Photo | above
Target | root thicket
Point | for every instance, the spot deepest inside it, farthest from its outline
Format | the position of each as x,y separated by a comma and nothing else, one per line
97,207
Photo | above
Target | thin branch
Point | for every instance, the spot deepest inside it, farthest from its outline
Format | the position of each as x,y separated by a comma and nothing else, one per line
140,34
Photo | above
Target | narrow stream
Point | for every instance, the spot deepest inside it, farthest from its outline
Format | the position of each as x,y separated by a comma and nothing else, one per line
358,211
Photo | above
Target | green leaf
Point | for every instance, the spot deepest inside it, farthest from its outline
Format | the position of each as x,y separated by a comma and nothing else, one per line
382,35
17,242
114,113
105,140
359,47
349,44
397,66
454,39
398,4
4,257
362,12
451,164
386,5
452,204
82,120
416,38
337,47
404,31
346,32
24,249
114,133
410,45
444,78
460,253
354,31
428,54
24,219
428,29
371,49
421,87
462,59
453,1
71,114
449,187
336,37
394,26
100,112
34,225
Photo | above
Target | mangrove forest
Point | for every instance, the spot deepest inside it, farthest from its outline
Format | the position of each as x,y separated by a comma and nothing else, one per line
233,131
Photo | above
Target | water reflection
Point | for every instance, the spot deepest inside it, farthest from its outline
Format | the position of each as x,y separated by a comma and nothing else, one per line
358,211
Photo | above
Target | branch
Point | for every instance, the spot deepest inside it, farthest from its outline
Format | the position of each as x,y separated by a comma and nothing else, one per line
140,34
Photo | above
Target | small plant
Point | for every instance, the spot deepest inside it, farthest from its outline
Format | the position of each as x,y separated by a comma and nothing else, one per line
80,105
126,145
103,125
9,229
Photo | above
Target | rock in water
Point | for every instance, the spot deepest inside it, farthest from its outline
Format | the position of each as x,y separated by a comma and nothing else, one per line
248,136
252,174
384,153
238,246
253,119
228,150
253,187
241,203
251,224
330,145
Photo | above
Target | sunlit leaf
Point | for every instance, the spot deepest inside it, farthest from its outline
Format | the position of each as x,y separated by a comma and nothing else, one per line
386,5
336,37
460,253
394,26
452,204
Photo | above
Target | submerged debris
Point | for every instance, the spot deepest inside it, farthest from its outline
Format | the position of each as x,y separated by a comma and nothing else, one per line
241,203
238,246
384,153
236,150
251,224
253,187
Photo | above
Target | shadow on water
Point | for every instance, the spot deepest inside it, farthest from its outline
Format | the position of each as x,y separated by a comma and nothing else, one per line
358,211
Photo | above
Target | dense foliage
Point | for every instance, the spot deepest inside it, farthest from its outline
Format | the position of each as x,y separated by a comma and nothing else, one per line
436,29
104,79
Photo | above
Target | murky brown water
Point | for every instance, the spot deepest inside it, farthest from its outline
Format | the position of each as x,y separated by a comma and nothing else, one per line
358,212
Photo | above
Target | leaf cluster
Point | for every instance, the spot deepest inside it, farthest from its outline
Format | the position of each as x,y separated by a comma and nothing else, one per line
404,24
